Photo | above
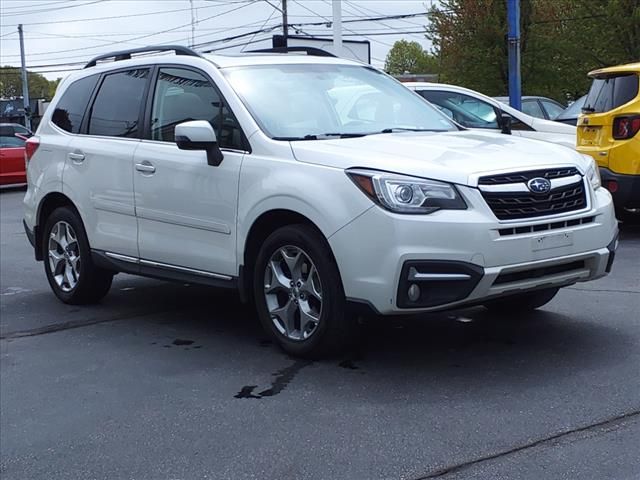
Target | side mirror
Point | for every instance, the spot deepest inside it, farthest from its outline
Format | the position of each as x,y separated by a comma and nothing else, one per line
505,123
199,135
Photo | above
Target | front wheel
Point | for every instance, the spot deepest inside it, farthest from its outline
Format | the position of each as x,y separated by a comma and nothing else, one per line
298,293
71,273
523,302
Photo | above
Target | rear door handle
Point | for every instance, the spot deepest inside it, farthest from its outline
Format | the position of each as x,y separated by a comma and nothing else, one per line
76,157
145,167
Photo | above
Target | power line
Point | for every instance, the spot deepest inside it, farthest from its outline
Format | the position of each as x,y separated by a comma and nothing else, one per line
262,27
94,19
31,11
131,40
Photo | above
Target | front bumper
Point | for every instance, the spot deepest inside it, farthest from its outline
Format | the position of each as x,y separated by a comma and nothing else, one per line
381,254
627,188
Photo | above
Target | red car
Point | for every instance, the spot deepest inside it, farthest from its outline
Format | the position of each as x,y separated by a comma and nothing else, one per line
12,164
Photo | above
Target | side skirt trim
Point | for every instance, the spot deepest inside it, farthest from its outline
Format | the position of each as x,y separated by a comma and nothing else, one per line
162,271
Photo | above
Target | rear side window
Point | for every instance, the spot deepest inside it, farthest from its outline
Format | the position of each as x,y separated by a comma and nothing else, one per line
532,107
612,92
71,107
116,109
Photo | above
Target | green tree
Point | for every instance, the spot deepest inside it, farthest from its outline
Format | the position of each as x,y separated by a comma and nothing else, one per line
561,41
409,57
39,86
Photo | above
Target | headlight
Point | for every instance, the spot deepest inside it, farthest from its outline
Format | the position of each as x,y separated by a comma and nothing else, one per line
593,172
404,194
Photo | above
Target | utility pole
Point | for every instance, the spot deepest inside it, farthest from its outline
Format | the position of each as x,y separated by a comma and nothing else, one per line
285,24
25,84
193,24
513,39
337,27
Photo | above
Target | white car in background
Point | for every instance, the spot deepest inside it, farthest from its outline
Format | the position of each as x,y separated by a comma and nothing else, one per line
472,109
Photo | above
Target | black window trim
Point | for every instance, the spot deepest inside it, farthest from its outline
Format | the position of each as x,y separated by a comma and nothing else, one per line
84,127
86,107
146,126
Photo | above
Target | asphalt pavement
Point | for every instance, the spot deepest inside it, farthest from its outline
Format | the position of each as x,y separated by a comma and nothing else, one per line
173,381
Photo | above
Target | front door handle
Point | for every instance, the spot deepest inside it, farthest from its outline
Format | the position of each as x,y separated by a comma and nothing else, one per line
76,157
145,167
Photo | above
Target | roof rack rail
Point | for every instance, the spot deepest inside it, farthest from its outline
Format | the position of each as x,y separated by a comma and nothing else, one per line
126,54
317,52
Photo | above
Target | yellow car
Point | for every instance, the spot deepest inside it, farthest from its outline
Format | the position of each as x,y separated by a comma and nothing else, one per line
608,131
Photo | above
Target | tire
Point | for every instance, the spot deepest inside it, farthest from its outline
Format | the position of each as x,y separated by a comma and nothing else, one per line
524,302
76,280
311,320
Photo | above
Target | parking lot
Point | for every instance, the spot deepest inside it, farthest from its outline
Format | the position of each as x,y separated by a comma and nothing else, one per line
178,381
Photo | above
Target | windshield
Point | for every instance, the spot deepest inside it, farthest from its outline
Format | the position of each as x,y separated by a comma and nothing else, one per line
315,101
573,110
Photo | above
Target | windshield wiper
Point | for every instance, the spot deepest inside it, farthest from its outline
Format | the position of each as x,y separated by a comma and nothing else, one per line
588,109
403,129
322,136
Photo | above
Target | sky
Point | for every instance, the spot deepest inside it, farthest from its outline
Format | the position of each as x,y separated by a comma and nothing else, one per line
73,31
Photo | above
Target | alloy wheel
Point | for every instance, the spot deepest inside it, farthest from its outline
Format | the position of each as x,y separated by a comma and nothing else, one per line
293,292
64,256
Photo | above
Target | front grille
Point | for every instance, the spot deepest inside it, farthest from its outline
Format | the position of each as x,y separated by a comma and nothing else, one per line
515,205
524,177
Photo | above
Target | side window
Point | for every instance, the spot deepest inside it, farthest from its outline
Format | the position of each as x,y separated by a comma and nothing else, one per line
116,109
552,109
532,107
71,107
12,141
182,95
464,109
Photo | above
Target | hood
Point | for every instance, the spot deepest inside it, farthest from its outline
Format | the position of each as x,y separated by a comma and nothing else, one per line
454,157
542,125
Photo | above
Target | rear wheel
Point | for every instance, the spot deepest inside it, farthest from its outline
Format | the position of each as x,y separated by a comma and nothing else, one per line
67,260
523,302
298,293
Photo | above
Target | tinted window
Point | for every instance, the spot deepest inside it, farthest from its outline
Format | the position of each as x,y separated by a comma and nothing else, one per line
71,107
573,110
464,109
11,141
183,95
116,110
553,110
609,93
532,107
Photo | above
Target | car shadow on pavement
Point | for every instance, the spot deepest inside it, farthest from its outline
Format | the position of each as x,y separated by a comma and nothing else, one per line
472,344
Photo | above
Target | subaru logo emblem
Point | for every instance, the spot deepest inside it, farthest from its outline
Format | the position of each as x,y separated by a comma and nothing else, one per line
539,185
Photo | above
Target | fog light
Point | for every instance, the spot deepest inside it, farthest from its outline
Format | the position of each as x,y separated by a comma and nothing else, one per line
612,186
414,292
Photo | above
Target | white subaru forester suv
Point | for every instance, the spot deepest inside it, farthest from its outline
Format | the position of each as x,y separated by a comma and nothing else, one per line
250,172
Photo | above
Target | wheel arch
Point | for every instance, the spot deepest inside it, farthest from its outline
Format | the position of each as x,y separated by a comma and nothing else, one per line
263,226
48,204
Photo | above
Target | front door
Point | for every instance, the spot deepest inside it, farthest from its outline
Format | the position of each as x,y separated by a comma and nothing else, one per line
186,209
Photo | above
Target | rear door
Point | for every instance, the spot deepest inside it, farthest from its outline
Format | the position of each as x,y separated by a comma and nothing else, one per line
98,173
186,208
